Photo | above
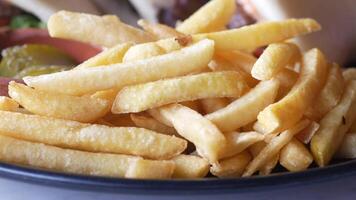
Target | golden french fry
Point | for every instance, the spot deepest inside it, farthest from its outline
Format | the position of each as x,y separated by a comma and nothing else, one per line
142,97
245,109
290,109
273,59
78,82
231,167
348,147
329,96
189,166
240,59
110,56
267,168
160,31
7,104
105,31
273,147
295,156
159,117
82,109
349,74
237,142
73,161
287,78
210,17
249,37
108,95
94,138
333,126
194,105
176,43
150,169
213,104
307,134
122,120
221,64
143,51
197,129
150,49
152,124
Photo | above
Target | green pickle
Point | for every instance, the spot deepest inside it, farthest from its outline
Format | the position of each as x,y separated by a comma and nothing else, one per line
33,59
35,71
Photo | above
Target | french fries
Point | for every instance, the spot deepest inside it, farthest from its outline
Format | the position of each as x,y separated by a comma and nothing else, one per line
349,74
273,59
348,147
333,127
91,28
211,17
221,64
245,38
194,127
160,31
108,95
245,109
237,142
273,147
110,56
94,138
150,49
155,113
7,104
150,169
267,168
142,97
295,156
287,78
152,124
73,161
290,109
188,166
307,134
231,167
329,96
143,51
249,37
258,111
239,59
79,82
81,109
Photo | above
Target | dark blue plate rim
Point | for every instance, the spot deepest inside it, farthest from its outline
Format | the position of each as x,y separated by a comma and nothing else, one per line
178,187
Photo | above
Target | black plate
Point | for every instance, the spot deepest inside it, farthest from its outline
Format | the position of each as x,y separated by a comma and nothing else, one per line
198,186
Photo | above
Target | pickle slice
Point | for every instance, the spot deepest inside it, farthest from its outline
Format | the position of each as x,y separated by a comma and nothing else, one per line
18,58
36,70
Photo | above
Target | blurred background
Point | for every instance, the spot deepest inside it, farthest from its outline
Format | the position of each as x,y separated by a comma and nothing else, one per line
338,18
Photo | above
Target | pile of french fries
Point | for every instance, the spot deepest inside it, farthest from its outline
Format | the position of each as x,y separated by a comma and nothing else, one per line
164,103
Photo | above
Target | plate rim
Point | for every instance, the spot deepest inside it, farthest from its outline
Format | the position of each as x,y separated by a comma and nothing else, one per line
176,187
